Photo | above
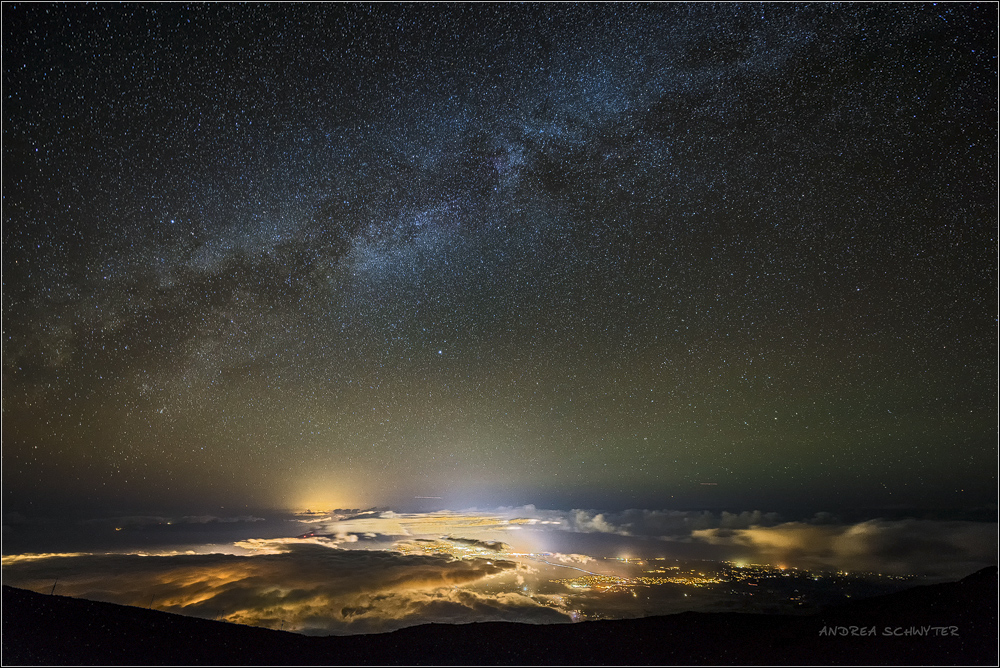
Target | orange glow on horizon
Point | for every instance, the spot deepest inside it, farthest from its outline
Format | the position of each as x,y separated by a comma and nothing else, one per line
325,492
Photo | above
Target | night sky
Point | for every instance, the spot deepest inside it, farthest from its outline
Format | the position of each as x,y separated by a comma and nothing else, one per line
574,256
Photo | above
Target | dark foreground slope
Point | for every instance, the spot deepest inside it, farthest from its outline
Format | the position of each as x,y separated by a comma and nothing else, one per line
40,629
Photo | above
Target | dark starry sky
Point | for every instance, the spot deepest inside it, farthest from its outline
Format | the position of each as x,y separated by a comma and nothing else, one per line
576,256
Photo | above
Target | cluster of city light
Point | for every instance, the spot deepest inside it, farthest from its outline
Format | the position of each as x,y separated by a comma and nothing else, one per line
746,572
740,571
608,583
691,580
730,573
603,583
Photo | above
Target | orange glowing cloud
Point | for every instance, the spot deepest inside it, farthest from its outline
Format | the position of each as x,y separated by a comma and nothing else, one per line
306,586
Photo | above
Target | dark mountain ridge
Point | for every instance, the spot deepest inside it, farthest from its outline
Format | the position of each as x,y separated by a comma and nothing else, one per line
951,623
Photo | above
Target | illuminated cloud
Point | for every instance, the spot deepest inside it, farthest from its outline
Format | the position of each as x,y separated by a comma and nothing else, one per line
11,559
336,515
664,523
572,558
945,549
495,546
283,545
371,613
476,529
303,585
636,522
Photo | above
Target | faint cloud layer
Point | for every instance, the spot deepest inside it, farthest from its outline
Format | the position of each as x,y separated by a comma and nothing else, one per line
947,549
923,547
664,523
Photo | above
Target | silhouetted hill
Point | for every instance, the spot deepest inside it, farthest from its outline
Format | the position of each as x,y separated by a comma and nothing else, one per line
45,630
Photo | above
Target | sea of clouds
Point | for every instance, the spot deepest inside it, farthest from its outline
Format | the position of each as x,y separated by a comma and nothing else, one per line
372,571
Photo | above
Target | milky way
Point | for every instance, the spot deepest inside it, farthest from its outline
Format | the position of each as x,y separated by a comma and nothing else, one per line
591,256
